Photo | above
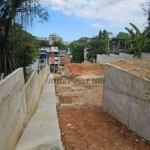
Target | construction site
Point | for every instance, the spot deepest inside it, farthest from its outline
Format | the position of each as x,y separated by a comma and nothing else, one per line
88,123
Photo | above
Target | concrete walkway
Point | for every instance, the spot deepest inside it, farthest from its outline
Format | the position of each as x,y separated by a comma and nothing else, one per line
42,132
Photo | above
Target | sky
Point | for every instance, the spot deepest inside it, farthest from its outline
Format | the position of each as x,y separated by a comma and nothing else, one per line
73,19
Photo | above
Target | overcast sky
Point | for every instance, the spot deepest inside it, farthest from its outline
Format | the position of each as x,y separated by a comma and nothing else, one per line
72,19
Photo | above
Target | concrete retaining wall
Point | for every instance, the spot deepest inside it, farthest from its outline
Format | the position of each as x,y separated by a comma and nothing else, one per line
33,90
66,72
127,97
122,56
18,102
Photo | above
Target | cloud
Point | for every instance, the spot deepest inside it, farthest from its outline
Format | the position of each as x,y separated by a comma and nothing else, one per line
122,11
97,25
114,25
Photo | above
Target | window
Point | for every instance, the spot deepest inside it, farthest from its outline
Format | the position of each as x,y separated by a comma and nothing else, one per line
42,61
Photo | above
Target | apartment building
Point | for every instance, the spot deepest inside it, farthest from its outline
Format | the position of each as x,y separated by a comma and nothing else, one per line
54,57
54,38
42,39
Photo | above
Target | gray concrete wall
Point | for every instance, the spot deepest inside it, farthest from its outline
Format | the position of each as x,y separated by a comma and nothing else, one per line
103,59
127,97
33,90
18,102
66,72
12,109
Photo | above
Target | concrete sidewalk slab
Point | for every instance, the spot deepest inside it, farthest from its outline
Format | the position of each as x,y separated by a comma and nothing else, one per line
42,132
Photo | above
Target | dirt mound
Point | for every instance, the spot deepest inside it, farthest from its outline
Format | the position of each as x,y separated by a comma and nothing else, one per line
139,67
84,69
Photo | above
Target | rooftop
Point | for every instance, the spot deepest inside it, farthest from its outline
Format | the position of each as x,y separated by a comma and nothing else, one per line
64,60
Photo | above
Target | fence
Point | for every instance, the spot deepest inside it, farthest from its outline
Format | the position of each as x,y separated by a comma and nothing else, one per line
122,56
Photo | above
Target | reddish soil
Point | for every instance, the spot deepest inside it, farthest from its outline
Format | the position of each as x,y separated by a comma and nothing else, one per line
139,67
84,69
79,93
84,125
89,128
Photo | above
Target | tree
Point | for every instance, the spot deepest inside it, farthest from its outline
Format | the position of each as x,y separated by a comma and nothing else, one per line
22,11
96,46
23,47
138,40
82,41
146,9
77,52
104,35
120,41
92,55
43,43
123,35
60,45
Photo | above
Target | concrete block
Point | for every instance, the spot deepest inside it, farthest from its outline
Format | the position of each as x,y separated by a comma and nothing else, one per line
126,83
145,56
126,96
116,104
139,117
67,73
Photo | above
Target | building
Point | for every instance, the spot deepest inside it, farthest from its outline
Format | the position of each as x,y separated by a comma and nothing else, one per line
43,55
63,61
42,39
66,43
54,38
54,57
62,53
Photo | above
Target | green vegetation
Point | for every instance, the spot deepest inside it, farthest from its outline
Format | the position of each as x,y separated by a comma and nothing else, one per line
133,42
18,48
60,45
51,69
15,13
95,45
23,47
43,43
138,40
123,35
77,51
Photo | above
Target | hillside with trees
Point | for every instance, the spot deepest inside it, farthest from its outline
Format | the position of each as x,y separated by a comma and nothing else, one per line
14,15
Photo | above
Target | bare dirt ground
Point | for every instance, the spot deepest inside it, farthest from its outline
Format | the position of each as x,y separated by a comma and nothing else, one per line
84,125
85,69
141,68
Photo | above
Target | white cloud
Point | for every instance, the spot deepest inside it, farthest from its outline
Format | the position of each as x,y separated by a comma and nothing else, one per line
97,25
118,11
114,25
